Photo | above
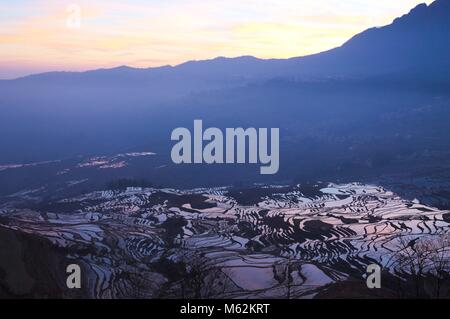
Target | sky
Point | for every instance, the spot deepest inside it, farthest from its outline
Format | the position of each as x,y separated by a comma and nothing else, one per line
48,35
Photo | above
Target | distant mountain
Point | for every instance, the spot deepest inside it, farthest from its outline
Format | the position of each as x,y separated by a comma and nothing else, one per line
378,101
416,43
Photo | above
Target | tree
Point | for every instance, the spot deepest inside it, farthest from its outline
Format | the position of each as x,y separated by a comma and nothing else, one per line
423,257
440,261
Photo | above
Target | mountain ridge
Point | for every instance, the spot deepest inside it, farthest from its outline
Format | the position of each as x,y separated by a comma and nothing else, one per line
425,28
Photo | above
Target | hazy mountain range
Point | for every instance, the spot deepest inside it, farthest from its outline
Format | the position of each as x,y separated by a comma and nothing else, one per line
378,103
416,42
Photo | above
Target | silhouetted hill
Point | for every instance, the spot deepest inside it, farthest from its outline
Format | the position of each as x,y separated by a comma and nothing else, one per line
415,42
